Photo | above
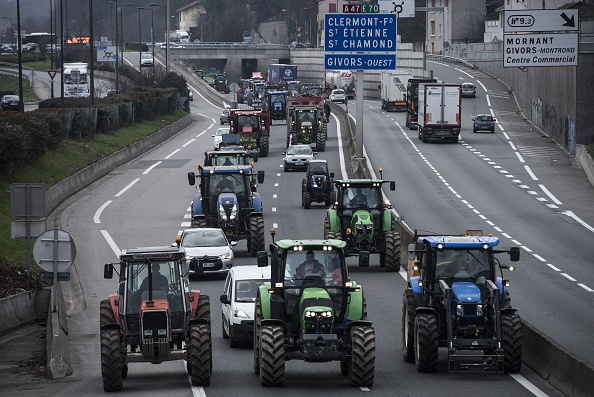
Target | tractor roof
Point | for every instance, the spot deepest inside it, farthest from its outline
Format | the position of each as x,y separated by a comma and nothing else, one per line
357,182
226,169
303,244
152,253
460,242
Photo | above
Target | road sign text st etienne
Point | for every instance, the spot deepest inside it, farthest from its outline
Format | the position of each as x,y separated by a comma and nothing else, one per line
360,33
546,49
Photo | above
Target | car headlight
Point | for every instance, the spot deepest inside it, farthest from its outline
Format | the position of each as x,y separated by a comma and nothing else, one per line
240,314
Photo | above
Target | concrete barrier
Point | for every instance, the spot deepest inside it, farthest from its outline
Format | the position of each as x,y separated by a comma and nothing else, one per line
58,350
23,308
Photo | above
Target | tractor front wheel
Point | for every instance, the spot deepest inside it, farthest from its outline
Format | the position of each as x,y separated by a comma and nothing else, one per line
256,235
426,345
409,308
362,366
200,354
320,141
390,258
106,315
264,146
111,360
306,199
272,355
511,328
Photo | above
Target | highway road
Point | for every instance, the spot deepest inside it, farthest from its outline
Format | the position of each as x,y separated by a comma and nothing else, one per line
480,183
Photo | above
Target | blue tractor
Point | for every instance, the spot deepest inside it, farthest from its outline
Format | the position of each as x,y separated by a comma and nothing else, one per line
228,199
459,300
318,185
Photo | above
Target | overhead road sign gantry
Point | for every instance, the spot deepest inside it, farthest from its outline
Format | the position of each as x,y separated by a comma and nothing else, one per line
360,33
540,21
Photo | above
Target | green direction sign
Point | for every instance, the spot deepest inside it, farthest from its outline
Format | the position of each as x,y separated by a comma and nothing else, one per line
370,8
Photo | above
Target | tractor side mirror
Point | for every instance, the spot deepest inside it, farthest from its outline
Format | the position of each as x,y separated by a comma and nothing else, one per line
108,270
262,258
191,178
196,266
261,176
332,175
411,252
225,299
514,254
392,185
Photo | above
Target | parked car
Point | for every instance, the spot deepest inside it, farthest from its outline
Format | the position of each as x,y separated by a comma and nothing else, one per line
338,95
468,90
218,136
238,302
224,118
10,102
210,246
483,122
297,157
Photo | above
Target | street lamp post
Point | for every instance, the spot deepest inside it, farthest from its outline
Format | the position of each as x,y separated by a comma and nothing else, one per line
152,34
166,35
117,43
139,35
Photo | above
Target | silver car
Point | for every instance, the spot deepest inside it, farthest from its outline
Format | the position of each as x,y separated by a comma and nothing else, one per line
297,157
210,246
338,95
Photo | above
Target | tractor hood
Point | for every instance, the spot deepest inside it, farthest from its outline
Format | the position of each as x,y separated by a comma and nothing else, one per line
466,292
227,199
362,223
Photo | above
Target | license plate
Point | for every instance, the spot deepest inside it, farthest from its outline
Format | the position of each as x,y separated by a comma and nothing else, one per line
442,132
208,264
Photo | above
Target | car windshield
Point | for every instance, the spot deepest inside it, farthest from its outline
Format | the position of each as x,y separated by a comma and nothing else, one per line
204,238
246,290
11,98
338,92
222,131
484,118
299,150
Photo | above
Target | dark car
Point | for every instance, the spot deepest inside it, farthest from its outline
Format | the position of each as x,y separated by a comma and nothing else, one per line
483,122
10,102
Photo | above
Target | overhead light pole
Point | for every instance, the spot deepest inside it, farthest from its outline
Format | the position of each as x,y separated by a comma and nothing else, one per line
139,35
166,34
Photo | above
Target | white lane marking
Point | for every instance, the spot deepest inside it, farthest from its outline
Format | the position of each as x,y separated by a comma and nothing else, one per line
197,391
567,276
488,101
484,88
187,143
112,244
528,385
127,187
172,153
273,209
529,171
275,195
555,268
151,167
519,157
553,198
100,210
577,219
462,71
586,287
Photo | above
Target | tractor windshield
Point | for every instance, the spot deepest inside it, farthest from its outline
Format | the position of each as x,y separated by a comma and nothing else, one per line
463,263
227,159
361,197
317,263
277,98
248,121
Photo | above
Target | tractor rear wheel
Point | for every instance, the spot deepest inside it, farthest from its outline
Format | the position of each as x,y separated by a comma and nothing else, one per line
426,346
362,367
111,360
331,198
327,233
198,223
256,234
200,354
306,199
257,326
264,146
511,328
409,308
106,315
203,311
272,355
320,141
390,258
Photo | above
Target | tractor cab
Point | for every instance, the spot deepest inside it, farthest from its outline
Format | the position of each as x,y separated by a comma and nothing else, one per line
276,103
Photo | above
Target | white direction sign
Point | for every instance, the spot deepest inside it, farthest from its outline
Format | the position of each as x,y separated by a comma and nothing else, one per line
540,21
106,53
404,8
546,49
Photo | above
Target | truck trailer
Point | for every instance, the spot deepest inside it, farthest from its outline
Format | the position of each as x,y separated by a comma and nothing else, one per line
439,111
393,89
280,73
76,81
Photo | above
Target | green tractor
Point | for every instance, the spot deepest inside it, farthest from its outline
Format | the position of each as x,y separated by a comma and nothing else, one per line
364,221
311,311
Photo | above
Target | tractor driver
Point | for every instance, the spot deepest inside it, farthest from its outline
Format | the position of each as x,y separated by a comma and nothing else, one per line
160,282
311,266
225,184
360,199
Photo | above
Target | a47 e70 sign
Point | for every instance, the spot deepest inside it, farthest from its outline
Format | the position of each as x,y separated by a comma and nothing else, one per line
360,33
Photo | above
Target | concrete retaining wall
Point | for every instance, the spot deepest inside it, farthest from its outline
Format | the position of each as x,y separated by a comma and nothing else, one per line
23,308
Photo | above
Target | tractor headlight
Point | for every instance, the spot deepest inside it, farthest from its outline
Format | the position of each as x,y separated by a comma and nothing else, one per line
148,332
310,314
480,310
240,314
369,227
459,310
327,314
359,227
222,213
162,332
233,214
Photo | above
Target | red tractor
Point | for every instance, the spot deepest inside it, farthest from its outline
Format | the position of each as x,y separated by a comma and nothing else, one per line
249,128
154,316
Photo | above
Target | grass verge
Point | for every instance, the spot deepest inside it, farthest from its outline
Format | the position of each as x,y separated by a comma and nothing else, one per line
10,83
65,160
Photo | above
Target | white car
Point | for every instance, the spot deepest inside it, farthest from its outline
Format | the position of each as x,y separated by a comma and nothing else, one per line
210,246
297,157
146,59
338,95
218,136
238,302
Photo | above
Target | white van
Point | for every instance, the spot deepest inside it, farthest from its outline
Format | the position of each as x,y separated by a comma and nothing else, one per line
468,90
238,302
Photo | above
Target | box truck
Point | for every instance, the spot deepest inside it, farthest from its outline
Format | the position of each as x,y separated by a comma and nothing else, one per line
281,73
439,111
412,101
393,89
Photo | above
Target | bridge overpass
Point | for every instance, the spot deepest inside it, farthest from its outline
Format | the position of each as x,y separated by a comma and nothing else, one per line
241,51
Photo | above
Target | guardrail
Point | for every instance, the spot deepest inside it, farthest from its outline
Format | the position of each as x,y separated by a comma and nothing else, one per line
446,58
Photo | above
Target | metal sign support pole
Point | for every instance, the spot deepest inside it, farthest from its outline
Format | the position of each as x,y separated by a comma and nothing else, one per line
359,158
